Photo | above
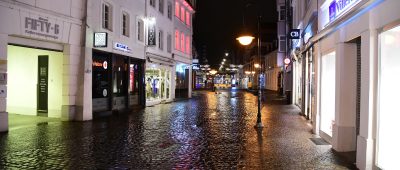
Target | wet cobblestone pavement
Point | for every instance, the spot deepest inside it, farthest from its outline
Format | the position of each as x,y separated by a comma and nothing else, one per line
210,131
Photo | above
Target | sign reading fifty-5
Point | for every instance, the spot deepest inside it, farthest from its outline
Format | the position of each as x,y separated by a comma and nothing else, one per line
339,7
151,35
42,27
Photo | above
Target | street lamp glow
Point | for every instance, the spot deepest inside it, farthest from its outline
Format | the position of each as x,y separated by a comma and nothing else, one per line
245,40
257,65
253,72
213,72
224,59
247,72
226,54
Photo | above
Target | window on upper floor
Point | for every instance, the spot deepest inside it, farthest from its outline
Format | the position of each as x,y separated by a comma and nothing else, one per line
160,40
153,3
161,6
177,7
107,16
125,24
182,42
187,18
140,30
282,13
177,37
182,14
169,8
169,43
188,45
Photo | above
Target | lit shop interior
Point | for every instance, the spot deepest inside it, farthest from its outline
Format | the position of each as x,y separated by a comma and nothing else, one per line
35,81
157,81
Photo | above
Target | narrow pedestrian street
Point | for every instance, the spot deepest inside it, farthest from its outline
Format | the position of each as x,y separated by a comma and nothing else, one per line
209,131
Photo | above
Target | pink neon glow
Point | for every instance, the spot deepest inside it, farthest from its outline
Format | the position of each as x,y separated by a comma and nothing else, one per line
177,39
188,45
183,13
182,42
187,18
177,9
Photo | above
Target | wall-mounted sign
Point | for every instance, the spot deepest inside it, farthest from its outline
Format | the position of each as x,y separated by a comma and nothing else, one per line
339,7
151,35
195,61
195,67
122,47
100,39
100,64
42,27
294,34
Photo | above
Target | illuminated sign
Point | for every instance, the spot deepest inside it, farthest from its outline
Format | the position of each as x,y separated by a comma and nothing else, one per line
100,39
294,34
100,64
151,35
122,47
338,7
195,61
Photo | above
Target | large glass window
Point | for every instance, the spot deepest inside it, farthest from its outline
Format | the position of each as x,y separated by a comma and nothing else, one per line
328,92
119,71
107,15
388,114
157,84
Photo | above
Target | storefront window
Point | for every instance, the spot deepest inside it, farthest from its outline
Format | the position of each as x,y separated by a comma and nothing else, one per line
388,116
328,92
134,79
157,84
119,72
101,76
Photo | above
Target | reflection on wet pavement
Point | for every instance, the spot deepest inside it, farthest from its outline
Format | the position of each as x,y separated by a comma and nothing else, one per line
210,131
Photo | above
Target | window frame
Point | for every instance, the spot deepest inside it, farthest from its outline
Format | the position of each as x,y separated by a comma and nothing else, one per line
106,19
127,24
169,10
140,30
160,39
161,6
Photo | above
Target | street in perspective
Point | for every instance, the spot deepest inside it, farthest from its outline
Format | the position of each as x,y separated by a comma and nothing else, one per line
188,84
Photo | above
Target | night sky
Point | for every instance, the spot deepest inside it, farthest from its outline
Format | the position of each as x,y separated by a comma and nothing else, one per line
219,22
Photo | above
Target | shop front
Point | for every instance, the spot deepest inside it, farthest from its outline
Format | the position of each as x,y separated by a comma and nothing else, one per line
35,79
158,83
182,80
388,92
116,82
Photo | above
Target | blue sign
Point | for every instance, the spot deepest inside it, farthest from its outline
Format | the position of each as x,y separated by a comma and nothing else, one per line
122,47
338,7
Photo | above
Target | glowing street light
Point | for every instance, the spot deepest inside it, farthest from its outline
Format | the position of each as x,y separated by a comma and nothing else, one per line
257,65
245,40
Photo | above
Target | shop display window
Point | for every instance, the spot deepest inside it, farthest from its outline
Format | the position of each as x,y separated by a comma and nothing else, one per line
157,84
119,78
101,76
134,79
328,92
388,114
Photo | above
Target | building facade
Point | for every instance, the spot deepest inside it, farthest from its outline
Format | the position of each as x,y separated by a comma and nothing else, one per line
347,68
182,51
115,55
41,53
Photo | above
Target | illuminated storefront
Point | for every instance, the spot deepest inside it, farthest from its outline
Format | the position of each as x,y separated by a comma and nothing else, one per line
158,84
35,81
389,83
116,82
182,80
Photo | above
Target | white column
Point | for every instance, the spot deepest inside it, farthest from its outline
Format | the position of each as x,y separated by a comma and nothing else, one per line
3,87
173,81
344,130
369,76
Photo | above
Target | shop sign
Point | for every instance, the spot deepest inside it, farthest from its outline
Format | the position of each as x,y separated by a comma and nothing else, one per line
338,7
294,34
151,33
122,47
41,27
98,64
100,39
195,67
195,61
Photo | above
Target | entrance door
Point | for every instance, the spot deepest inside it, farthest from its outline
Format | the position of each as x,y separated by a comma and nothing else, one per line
42,86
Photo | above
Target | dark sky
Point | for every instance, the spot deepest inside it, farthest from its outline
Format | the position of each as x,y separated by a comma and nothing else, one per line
219,22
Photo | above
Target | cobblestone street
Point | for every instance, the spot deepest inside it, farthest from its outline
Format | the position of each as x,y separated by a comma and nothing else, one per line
209,131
